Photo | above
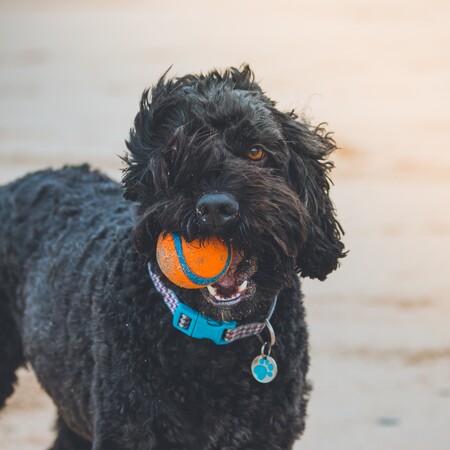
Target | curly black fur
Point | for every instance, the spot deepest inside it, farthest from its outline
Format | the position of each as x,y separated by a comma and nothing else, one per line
77,304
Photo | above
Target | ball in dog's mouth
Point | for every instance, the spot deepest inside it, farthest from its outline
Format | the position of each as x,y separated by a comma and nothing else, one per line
236,285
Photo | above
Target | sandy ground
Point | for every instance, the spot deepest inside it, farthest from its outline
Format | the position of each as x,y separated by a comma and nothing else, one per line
379,73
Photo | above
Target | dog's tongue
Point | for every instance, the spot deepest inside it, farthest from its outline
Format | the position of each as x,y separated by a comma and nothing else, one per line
229,279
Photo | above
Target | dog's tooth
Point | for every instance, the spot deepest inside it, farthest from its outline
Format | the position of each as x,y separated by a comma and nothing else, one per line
227,299
243,286
212,290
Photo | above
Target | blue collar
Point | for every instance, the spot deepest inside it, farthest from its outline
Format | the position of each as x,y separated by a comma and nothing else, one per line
194,324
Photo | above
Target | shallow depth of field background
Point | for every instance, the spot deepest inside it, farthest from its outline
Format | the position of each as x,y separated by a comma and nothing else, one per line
71,74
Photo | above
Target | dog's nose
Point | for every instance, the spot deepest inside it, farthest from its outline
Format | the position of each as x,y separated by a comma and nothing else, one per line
217,209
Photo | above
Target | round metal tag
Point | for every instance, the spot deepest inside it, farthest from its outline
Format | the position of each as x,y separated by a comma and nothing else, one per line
264,369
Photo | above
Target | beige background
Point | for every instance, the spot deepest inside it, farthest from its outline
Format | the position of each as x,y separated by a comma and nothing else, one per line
378,72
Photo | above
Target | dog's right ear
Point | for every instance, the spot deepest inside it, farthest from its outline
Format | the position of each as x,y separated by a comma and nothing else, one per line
146,138
158,118
137,176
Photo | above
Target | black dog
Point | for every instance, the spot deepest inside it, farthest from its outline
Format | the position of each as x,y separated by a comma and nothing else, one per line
208,155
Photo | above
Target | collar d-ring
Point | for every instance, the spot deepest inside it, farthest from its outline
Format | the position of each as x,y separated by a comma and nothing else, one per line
272,333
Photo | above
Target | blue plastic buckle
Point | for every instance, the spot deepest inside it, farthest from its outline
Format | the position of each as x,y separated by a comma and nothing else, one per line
202,327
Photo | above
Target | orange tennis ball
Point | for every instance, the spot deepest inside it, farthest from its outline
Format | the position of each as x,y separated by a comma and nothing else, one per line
192,265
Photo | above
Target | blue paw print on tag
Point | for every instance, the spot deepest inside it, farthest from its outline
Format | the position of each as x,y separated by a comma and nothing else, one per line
263,369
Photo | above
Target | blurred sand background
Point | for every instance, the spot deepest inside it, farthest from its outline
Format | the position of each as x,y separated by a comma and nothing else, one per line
378,72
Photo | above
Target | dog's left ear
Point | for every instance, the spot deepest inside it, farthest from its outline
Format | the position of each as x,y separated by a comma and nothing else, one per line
308,176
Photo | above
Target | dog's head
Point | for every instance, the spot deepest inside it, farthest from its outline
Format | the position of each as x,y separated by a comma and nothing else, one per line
211,155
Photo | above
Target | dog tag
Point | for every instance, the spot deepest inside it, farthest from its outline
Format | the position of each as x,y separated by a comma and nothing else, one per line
264,368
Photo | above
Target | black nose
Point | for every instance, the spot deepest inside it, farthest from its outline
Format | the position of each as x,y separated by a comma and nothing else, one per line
217,209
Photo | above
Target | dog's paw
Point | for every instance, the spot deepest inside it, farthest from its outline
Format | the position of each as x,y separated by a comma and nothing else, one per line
264,369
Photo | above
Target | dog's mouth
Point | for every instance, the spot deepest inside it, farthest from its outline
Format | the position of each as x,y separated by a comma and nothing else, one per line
236,285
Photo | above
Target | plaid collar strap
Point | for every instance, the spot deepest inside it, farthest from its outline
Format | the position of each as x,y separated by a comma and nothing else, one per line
198,326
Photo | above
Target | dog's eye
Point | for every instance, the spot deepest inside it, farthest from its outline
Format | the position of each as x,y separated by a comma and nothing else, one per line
256,154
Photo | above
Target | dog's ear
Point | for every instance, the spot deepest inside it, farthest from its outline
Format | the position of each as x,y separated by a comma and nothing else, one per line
147,137
308,176
137,177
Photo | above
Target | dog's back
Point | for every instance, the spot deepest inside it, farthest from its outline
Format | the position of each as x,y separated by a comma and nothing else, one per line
53,226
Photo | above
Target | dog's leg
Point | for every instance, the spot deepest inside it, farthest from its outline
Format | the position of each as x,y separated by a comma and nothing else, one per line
10,351
68,440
